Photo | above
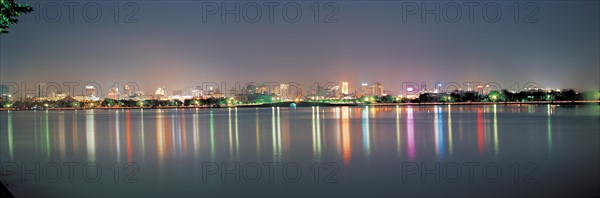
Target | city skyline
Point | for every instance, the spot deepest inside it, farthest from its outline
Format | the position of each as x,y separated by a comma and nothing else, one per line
59,90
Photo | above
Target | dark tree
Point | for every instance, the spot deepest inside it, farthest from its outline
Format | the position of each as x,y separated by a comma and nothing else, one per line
470,96
9,12
509,95
570,95
387,99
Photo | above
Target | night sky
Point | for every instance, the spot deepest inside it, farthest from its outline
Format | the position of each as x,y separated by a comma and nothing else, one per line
170,46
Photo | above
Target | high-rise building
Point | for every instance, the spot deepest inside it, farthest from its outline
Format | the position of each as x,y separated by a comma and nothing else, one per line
262,89
90,91
364,89
113,93
345,88
40,89
284,91
160,93
197,91
378,89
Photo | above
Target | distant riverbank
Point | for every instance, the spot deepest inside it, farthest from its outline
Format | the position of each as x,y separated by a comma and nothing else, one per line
310,104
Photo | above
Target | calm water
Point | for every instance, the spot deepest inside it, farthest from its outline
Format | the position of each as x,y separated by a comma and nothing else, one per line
496,150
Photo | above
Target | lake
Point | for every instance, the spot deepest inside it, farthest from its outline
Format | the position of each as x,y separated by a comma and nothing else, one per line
388,151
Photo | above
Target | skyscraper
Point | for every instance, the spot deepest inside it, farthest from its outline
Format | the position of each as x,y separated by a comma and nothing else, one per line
345,88
284,91
378,89
364,89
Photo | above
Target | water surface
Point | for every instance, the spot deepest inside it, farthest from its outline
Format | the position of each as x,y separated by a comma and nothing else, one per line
444,150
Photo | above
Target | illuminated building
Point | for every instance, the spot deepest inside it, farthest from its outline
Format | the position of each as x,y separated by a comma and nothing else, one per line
284,91
364,89
411,93
127,90
160,93
345,88
40,89
91,93
197,92
113,93
378,89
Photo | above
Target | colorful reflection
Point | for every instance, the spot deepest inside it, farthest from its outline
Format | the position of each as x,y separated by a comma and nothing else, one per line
410,134
36,132
329,130
182,134
46,136
337,131
257,124
495,131
365,132
61,135
549,127
450,141
398,141
160,139
480,131
196,135
9,125
128,134
142,139
276,133
74,142
346,142
212,137
439,132
90,135
237,137
118,136
316,134
230,135
233,136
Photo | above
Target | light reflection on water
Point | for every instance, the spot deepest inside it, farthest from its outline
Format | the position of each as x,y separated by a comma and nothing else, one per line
357,138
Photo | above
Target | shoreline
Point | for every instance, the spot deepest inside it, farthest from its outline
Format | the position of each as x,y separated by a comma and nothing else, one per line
310,104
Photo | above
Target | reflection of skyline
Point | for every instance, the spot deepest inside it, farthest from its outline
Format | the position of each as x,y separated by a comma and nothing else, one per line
233,134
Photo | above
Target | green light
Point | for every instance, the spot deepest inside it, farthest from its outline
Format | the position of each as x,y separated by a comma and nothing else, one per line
495,131
212,137
230,137
47,135
10,136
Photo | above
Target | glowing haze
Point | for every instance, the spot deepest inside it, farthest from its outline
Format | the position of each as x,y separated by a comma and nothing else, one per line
171,46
